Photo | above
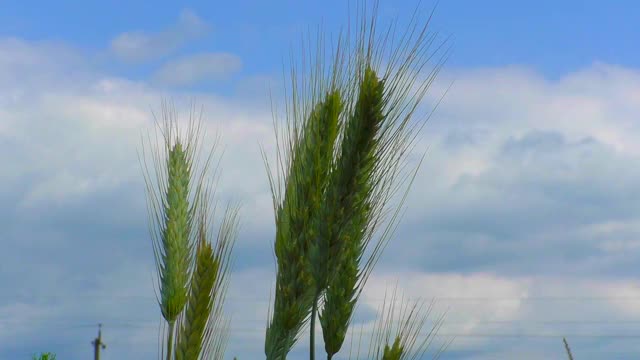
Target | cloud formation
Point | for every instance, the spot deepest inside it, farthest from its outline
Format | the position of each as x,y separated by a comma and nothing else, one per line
199,68
140,46
527,199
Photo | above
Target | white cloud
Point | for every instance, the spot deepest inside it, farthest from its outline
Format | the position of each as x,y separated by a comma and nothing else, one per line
599,101
478,305
138,46
198,68
463,298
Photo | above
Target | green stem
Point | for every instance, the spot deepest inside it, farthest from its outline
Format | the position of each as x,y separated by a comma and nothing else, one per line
312,342
170,340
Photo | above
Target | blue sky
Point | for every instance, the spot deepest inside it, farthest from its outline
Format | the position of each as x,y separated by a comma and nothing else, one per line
552,37
524,219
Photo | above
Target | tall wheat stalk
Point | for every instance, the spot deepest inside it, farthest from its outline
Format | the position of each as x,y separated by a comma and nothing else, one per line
192,276
332,192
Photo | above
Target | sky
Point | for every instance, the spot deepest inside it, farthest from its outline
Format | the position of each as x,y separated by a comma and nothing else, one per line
523,221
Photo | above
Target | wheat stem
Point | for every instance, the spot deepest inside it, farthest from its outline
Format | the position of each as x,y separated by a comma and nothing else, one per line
170,339
312,330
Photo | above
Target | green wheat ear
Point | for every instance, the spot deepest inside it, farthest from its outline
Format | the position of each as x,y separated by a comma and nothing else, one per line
216,333
394,352
176,256
175,192
349,195
175,239
330,209
202,331
311,156
377,136
198,309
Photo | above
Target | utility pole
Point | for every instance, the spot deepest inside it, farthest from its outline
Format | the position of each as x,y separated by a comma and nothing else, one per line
97,344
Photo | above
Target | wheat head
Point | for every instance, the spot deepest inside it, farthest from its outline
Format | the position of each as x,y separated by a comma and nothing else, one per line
350,194
174,197
198,308
375,140
312,152
332,204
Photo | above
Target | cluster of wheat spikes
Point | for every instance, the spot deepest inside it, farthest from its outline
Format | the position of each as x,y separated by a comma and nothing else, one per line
347,136
192,273
348,131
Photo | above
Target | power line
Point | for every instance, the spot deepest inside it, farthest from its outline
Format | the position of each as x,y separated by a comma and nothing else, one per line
129,321
497,335
144,323
354,329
